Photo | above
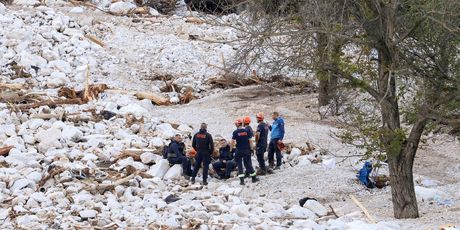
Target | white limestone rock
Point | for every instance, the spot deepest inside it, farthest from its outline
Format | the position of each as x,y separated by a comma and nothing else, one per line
134,109
156,142
76,10
22,183
121,7
71,133
316,207
159,169
174,173
298,212
165,130
88,213
148,157
295,152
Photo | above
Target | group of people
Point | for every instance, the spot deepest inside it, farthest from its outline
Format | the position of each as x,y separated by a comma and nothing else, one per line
234,155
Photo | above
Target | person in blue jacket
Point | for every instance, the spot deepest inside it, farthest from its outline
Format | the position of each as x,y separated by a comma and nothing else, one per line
276,137
225,161
364,174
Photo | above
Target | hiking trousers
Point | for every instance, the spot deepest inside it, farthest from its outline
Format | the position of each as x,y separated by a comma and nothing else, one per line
244,157
205,158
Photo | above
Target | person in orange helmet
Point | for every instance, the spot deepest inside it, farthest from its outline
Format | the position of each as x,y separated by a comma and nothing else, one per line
241,139
261,143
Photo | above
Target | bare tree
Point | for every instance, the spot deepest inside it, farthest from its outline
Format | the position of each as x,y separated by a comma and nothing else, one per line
376,46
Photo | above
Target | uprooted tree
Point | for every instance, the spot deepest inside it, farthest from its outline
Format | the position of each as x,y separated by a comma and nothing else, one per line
404,54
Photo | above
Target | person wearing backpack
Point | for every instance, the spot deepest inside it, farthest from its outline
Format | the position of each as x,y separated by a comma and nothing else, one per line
175,155
204,145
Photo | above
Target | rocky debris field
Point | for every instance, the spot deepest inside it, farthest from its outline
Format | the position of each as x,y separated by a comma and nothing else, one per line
98,165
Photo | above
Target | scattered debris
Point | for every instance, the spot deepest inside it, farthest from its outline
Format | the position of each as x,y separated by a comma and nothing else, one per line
4,151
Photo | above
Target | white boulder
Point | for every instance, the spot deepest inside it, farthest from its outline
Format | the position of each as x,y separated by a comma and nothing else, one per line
71,133
28,60
76,10
148,157
22,183
121,7
165,130
26,2
88,213
159,169
429,194
2,11
295,152
134,109
298,212
174,173
316,207
303,161
241,210
156,142
48,139
61,66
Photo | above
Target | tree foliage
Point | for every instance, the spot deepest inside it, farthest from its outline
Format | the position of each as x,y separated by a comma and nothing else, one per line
404,54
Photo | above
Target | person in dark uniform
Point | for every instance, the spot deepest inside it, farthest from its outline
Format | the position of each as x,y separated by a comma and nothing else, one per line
202,142
225,161
261,144
175,155
242,140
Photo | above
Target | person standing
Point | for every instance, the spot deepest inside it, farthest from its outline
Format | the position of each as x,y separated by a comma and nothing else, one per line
242,141
261,143
276,138
202,142
175,155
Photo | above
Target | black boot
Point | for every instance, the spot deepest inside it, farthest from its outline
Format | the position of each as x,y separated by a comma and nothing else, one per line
254,179
193,180
241,180
205,183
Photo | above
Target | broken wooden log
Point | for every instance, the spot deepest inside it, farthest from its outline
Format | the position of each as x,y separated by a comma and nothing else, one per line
155,98
11,86
4,151
95,40
50,103
125,154
101,188
369,217
53,172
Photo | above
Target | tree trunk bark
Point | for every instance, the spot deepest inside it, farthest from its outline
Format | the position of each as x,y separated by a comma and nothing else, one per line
321,73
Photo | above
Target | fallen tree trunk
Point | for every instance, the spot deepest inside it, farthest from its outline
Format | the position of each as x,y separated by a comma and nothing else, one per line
11,86
75,118
155,98
50,103
369,217
101,188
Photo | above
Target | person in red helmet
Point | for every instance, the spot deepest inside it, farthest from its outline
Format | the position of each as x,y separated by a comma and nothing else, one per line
261,143
247,125
242,141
